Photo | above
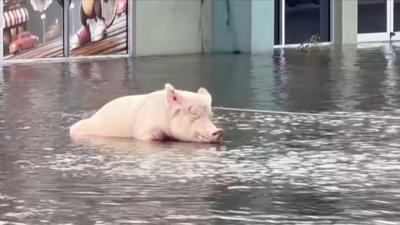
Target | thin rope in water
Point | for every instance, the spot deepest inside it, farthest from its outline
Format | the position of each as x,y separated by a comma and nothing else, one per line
306,114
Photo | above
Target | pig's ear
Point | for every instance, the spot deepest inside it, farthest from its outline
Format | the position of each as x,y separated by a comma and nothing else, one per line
202,91
173,98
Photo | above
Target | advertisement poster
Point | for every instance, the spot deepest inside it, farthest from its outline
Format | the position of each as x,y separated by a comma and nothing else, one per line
98,27
32,29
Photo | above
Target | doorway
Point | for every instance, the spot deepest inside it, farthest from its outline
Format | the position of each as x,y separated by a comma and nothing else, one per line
296,21
378,20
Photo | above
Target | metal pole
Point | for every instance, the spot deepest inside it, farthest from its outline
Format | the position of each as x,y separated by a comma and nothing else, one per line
66,27
131,25
43,17
1,32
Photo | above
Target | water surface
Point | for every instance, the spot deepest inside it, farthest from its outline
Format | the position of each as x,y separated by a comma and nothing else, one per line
338,165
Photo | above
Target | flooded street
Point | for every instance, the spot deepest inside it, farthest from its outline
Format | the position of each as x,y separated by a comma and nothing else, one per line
326,150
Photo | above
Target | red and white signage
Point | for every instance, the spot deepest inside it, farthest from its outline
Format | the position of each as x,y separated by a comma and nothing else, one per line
15,17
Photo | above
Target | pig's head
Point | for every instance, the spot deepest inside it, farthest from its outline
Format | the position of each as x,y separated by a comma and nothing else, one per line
190,115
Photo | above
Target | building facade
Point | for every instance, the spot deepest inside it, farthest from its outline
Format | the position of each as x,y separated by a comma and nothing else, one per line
34,29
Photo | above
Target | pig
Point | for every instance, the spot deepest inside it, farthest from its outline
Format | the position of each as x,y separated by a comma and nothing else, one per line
163,115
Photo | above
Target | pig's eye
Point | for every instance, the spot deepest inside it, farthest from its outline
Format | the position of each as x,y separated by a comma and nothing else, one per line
195,115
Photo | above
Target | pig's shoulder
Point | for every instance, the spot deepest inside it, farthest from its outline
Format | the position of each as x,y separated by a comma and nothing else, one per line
124,102
128,99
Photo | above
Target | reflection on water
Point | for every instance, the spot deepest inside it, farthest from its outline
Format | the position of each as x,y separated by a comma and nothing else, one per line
340,166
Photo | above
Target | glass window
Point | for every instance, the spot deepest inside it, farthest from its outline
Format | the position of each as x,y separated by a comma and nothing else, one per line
371,16
98,27
304,18
277,22
396,16
42,20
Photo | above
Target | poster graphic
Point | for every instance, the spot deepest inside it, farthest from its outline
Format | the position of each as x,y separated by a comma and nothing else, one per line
35,28
98,27
32,29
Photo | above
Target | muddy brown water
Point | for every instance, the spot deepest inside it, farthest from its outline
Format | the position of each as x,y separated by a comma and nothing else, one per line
330,156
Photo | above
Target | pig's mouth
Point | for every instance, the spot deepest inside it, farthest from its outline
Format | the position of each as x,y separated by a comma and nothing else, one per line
205,139
201,137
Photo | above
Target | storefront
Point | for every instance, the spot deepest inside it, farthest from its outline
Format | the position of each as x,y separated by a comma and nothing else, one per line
35,29
15,18
378,20
297,21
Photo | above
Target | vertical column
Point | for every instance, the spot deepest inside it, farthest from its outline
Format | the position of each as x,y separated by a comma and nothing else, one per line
262,26
206,21
1,32
66,28
231,25
131,27
324,19
345,21
165,27
243,25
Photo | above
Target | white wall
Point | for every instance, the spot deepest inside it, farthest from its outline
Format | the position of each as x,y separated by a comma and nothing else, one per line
262,26
172,27
250,29
237,35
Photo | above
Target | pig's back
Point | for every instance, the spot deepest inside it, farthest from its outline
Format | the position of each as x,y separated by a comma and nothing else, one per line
117,117
123,105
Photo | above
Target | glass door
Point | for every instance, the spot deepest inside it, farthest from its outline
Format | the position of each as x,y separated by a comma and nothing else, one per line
296,21
378,20
396,20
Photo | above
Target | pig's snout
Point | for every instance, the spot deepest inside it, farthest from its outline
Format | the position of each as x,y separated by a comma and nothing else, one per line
216,135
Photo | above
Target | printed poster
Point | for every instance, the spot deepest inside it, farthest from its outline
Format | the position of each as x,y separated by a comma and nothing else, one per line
32,29
98,27
35,28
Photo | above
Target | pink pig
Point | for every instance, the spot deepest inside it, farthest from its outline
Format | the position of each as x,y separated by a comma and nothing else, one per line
168,114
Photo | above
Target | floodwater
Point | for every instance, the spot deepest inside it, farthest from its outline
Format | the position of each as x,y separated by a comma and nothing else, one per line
329,154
